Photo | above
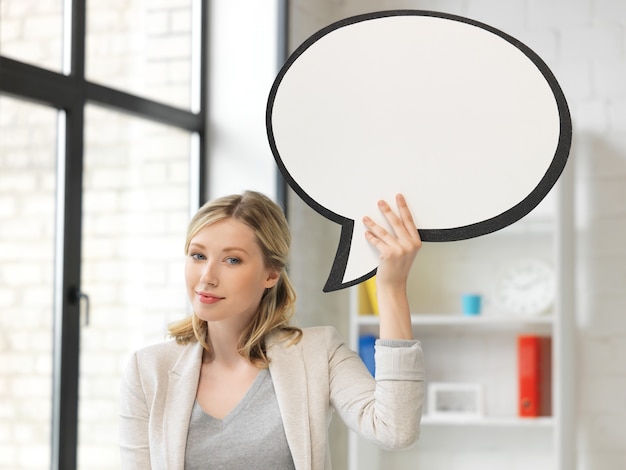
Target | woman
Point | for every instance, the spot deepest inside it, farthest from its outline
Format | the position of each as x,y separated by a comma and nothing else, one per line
241,388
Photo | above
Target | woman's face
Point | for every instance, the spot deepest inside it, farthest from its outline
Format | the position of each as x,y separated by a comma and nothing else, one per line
225,273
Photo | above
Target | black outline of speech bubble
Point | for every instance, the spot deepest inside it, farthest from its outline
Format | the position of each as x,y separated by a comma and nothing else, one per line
506,218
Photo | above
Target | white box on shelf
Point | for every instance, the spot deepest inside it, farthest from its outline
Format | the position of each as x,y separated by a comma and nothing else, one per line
453,400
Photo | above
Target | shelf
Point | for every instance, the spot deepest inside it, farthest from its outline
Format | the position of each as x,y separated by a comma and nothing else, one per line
484,350
443,320
513,422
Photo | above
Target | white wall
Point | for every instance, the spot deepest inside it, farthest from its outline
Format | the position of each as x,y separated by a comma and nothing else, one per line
584,44
243,38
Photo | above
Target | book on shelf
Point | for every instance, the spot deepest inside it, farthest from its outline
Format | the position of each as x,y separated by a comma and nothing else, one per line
366,352
534,367
368,301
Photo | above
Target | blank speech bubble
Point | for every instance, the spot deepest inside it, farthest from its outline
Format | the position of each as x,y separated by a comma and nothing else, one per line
464,120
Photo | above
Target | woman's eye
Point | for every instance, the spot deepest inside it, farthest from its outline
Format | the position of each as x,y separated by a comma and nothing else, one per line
232,260
197,256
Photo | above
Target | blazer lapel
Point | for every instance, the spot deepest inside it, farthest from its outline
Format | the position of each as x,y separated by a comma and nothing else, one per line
289,379
181,394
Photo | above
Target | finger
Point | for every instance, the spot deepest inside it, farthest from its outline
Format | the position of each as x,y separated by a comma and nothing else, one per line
380,239
387,244
407,217
401,223
375,230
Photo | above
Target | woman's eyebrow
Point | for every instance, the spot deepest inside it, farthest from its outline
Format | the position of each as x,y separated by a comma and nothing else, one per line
226,249
234,248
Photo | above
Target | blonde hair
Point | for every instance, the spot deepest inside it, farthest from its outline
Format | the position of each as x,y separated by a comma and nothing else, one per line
267,221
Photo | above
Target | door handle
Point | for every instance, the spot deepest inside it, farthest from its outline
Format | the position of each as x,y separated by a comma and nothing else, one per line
82,299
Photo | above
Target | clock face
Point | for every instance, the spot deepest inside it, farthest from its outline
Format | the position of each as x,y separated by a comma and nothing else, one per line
527,287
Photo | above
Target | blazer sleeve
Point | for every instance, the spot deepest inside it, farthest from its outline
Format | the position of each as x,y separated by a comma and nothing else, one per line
386,410
134,420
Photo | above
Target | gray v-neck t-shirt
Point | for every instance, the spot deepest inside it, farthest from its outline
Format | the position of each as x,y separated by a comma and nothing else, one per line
250,436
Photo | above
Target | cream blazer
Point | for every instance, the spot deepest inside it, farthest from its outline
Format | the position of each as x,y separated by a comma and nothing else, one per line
311,378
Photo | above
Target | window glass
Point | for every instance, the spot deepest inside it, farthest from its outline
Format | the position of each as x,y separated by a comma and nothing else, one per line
31,31
135,213
141,47
27,227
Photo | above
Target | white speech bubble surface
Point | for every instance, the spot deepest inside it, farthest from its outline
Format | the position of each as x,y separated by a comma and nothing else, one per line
467,122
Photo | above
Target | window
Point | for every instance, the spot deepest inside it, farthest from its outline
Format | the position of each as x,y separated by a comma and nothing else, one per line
143,47
103,146
27,200
135,210
32,32
99,170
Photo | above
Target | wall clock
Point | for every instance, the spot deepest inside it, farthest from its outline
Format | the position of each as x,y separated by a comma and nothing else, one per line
526,287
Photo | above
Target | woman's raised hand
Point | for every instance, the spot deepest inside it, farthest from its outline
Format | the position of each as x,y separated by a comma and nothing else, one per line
397,251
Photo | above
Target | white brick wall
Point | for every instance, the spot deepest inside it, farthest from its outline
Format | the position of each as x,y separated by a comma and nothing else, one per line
25,284
136,211
32,30
141,46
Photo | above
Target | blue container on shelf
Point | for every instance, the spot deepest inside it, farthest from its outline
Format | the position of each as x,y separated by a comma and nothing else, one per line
366,351
471,304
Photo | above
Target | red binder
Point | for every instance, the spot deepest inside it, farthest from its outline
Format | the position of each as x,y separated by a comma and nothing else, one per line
534,375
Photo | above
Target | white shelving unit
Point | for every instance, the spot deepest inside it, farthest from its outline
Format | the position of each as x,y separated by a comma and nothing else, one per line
483,350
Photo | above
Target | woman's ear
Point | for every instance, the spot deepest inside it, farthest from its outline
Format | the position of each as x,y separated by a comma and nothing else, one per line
272,279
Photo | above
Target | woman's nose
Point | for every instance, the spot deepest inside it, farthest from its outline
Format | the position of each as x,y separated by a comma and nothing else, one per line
209,274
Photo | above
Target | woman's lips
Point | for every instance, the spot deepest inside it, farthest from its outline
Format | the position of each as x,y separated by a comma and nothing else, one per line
207,298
